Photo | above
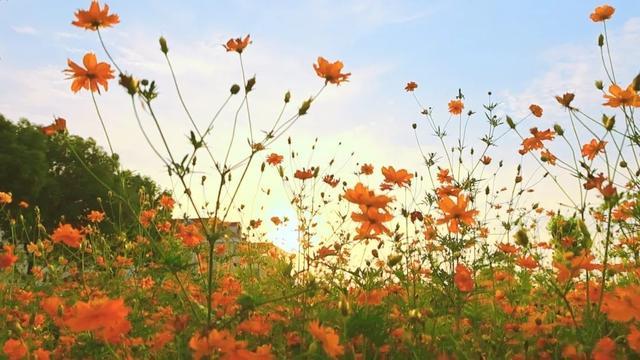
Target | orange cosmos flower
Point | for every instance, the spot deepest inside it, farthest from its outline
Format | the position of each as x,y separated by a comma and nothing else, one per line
147,216
105,318
527,262
331,181
95,216
622,304
486,160
274,159
633,339
411,86
89,77
463,279
593,148
372,222
328,338
535,142
361,195
68,235
15,349
167,202
400,177
454,213
238,45
618,97
602,13
547,156
366,169
95,18
303,174
276,220
5,198
8,258
456,106
331,72
536,110
41,354
507,248
566,99
190,235
59,125
443,176
605,349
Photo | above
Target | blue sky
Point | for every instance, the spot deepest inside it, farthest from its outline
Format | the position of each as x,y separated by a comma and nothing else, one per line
523,51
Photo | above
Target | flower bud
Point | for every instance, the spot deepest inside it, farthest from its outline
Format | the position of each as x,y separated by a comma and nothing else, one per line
558,129
510,122
163,45
601,40
393,260
636,83
235,88
345,307
599,84
287,97
129,83
521,237
608,122
305,107
623,164
250,84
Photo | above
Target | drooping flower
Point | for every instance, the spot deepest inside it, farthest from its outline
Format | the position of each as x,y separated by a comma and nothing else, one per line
411,86
68,235
331,72
328,338
456,106
331,180
536,110
400,177
95,18
593,148
618,97
566,99
547,156
93,74
303,174
602,13
274,159
238,45
456,213
276,220
463,279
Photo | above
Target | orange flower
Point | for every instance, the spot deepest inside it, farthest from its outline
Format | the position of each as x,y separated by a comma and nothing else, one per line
274,159
622,304
67,235
535,142
331,181
602,13
454,213
95,74
59,125
443,176
328,338
304,174
95,17
486,160
95,216
593,148
190,235
41,354
633,339
105,318
456,106
361,195
331,72
463,279
618,97
566,99
8,258
366,169
605,349
400,177
276,220
527,262
5,198
23,204
147,216
238,45
167,202
547,156
14,349
370,216
411,86
507,248
536,110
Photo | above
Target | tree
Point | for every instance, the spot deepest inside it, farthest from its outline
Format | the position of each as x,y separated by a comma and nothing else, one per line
66,176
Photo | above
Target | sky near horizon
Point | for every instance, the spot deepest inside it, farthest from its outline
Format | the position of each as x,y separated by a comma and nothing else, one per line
522,51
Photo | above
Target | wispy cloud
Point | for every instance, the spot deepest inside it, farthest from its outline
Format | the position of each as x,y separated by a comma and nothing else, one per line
29,30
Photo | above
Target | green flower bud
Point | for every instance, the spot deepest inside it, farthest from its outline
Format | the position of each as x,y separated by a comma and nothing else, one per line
235,88
163,45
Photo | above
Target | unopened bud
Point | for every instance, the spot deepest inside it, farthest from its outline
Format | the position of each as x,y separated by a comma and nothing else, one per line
608,122
305,107
287,97
601,40
129,83
599,84
250,84
235,88
510,122
558,129
163,45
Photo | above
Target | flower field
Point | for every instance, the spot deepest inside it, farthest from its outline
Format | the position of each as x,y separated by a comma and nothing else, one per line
458,259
